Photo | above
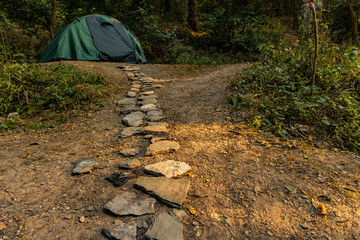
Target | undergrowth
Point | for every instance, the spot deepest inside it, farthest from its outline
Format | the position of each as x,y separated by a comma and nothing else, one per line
29,89
278,95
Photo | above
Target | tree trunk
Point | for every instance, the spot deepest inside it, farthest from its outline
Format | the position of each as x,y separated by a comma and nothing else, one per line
52,20
192,15
316,50
353,24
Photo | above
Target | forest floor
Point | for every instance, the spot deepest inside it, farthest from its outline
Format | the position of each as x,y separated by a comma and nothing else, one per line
244,185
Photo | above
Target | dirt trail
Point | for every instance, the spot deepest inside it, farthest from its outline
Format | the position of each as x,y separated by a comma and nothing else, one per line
244,186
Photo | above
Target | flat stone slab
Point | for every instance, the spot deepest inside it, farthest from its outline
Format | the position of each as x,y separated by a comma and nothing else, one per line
165,227
130,131
158,124
129,152
155,118
131,94
148,93
158,138
148,101
154,113
168,190
168,168
120,231
128,108
85,165
143,97
149,107
130,74
130,164
155,130
126,101
138,86
130,203
134,119
162,147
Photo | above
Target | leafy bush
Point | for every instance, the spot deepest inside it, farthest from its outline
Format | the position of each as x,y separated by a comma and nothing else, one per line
278,92
28,89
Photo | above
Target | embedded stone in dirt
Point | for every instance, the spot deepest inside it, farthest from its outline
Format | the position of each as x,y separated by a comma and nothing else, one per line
149,107
118,179
155,130
148,93
86,165
165,227
162,147
131,94
158,86
133,163
155,118
129,152
120,231
133,119
130,203
136,85
168,168
130,74
154,113
130,131
126,101
128,109
168,190
148,101
158,124
143,97
158,138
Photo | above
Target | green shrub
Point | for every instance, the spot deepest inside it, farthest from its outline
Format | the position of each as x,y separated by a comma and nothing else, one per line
29,89
278,93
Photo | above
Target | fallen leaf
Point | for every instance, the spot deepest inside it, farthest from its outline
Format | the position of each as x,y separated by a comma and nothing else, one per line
2,226
18,218
192,210
322,209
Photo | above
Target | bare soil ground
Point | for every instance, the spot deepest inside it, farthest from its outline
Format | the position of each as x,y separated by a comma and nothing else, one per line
244,185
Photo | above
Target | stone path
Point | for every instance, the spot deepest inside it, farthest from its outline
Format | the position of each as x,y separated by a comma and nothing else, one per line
142,117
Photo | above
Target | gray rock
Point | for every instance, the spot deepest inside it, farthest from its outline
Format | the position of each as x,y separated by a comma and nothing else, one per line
133,119
133,163
131,94
149,107
134,89
130,131
130,74
168,190
143,97
136,85
120,231
86,165
162,147
165,227
129,152
155,130
154,113
158,138
148,93
128,109
155,118
126,101
148,101
178,214
168,168
158,124
130,203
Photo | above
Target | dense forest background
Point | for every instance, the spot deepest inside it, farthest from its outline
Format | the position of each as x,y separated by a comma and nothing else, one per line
303,79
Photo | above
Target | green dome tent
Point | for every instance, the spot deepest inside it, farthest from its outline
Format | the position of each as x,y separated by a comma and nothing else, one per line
95,38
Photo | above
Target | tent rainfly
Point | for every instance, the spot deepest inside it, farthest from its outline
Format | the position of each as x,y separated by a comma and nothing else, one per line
95,38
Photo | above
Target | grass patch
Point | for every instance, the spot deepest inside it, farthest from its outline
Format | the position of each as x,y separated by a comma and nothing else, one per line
29,89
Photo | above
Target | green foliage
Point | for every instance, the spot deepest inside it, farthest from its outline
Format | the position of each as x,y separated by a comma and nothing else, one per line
28,89
242,32
277,92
